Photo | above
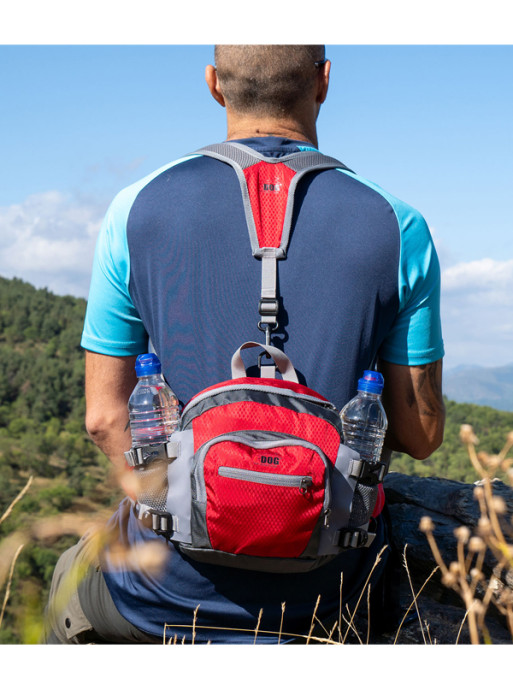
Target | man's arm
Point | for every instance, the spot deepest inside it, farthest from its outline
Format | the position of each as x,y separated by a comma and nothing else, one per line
109,381
413,401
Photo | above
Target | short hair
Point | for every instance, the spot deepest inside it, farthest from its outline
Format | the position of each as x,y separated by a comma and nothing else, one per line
266,79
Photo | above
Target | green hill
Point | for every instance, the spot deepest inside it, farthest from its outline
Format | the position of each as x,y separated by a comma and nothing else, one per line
451,460
42,403
42,435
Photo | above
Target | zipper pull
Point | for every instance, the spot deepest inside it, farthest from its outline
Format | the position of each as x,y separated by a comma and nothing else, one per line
327,514
304,484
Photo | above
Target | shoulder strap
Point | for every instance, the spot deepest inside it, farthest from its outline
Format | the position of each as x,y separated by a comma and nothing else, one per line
268,186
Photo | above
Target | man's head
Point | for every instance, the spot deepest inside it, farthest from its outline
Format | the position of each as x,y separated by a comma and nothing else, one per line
269,80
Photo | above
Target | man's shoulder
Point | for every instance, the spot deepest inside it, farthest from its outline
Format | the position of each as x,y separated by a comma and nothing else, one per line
401,208
131,191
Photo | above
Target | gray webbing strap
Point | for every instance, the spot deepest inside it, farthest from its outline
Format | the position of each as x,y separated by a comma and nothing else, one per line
282,361
241,157
268,306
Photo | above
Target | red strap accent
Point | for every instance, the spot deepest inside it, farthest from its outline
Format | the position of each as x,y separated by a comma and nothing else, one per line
268,187
380,502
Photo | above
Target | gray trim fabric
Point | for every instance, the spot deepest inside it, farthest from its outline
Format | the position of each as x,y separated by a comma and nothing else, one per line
239,161
286,399
343,488
179,492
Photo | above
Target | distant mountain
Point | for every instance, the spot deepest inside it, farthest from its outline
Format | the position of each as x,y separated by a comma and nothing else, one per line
483,386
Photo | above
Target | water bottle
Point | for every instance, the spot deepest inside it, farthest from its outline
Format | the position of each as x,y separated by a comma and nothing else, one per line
153,407
364,420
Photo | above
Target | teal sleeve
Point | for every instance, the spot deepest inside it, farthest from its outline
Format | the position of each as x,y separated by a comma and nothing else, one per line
416,335
112,325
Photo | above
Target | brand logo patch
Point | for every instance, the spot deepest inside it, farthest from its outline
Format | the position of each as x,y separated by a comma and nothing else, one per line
270,460
272,187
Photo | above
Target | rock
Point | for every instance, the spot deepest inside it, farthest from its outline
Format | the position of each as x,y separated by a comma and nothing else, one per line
450,505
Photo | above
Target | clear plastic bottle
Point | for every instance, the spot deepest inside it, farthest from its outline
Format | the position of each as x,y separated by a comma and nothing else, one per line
153,408
364,421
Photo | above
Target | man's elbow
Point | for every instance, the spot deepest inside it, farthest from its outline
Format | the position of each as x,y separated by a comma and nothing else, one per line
101,424
429,441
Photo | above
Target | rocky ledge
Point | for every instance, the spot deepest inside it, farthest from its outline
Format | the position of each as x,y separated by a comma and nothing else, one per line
439,614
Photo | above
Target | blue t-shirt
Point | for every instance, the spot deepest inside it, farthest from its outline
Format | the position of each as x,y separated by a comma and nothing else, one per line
173,262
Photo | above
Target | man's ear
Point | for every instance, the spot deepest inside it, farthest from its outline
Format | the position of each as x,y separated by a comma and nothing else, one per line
213,84
323,82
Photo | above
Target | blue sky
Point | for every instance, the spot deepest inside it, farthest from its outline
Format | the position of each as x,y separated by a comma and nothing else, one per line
431,124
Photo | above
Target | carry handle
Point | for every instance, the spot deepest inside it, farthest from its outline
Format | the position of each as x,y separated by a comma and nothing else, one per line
282,361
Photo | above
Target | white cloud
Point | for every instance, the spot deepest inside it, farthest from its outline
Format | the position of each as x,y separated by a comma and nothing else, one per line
48,240
477,312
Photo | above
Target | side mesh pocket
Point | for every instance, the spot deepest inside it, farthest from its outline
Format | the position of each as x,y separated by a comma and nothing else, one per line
152,484
364,501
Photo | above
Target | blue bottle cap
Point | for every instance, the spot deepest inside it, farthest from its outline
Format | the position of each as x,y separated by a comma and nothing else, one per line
147,364
371,381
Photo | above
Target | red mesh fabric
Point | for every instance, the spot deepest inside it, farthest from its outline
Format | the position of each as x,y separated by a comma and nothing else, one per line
262,519
249,415
268,186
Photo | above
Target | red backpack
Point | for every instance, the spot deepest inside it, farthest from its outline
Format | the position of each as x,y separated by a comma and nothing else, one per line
257,475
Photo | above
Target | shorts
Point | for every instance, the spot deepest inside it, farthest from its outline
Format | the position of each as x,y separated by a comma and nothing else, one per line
80,609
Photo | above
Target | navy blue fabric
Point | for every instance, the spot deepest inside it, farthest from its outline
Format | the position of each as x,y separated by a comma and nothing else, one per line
196,288
196,285
229,600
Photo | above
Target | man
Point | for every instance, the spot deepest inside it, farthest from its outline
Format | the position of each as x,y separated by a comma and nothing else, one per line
173,262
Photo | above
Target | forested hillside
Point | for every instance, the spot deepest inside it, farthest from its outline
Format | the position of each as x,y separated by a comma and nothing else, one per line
451,460
42,435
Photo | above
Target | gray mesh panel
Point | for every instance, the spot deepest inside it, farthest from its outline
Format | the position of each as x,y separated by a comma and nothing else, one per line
236,154
245,157
152,480
310,159
364,500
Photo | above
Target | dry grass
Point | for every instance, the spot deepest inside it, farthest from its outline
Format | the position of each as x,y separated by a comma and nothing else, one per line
493,533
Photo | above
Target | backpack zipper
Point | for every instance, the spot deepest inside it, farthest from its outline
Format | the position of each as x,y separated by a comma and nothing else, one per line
302,482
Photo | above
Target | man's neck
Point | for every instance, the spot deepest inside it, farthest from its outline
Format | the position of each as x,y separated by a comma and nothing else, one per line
257,128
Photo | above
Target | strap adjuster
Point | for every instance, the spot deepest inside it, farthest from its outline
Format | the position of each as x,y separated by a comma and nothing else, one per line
368,472
160,522
354,538
138,456
268,306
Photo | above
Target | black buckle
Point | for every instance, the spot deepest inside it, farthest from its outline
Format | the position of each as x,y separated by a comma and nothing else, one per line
351,538
141,456
369,473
